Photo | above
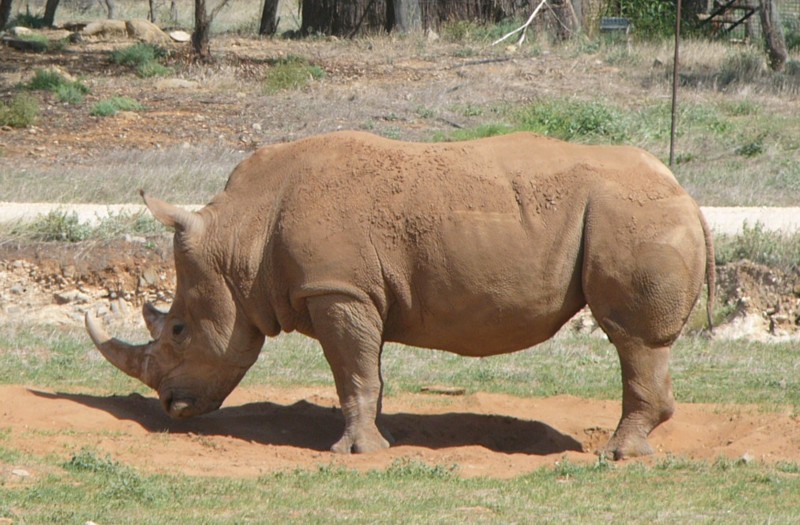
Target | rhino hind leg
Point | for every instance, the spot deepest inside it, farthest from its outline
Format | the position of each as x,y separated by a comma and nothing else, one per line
647,398
351,336
642,309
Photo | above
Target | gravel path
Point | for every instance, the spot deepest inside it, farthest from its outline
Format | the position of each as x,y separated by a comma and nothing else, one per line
721,219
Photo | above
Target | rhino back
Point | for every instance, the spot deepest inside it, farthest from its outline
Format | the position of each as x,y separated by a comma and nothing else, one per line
472,247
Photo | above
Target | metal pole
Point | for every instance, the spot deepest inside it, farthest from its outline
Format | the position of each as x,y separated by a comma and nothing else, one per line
675,82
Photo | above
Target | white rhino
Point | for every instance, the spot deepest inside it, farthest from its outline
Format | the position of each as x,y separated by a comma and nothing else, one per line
478,248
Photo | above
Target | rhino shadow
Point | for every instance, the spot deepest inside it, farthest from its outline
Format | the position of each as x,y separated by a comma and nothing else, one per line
308,425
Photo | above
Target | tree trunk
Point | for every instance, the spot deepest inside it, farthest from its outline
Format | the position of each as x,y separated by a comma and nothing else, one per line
350,17
173,11
269,18
566,23
151,11
407,16
5,12
202,28
774,42
111,7
345,17
50,12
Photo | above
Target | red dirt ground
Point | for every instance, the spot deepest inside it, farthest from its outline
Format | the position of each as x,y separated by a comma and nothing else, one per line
264,430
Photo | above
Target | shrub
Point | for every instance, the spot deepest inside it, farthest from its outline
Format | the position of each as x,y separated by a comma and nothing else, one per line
143,58
28,20
20,113
152,69
58,226
289,74
46,80
762,246
791,32
571,120
71,91
137,55
651,20
110,107
742,66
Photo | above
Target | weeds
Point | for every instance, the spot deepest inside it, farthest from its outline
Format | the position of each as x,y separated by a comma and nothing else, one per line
574,120
28,20
69,91
144,59
762,246
21,112
112,106
71,94
61,226
742,66
58,226
291,73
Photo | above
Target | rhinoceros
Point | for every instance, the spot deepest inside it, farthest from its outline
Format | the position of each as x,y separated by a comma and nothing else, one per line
479,248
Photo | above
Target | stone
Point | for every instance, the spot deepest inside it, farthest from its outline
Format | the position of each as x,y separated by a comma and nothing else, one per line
20,31
175,83
145,31
180,36
105,28
72,296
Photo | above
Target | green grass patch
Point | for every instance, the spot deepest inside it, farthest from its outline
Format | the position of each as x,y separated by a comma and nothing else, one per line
144,59
566,119
290,73
745,372
21,112
89,487
69,91
575,120
112,106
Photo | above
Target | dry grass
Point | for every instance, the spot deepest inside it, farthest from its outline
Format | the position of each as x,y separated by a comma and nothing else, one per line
187,175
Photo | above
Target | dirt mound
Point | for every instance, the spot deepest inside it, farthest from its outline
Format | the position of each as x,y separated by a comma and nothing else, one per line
266,430
58,282
760,301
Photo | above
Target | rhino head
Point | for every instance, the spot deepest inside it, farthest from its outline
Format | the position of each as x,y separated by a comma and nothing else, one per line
203,346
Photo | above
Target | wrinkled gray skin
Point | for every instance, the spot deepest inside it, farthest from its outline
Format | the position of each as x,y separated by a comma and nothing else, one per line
477,248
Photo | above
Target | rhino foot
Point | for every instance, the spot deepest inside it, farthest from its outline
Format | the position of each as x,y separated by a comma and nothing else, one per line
361,444
632,447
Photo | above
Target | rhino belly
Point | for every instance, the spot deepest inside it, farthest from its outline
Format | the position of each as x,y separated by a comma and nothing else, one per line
490,284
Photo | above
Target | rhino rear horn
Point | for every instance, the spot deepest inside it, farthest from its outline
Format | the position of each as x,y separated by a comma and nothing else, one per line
172,216
131,359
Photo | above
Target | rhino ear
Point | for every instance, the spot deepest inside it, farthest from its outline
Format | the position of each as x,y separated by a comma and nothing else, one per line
154,319
172,216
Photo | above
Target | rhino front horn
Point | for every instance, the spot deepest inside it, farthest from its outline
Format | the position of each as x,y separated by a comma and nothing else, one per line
131,359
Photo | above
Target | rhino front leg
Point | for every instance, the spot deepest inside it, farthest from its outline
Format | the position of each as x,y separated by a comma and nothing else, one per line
351,336
647,399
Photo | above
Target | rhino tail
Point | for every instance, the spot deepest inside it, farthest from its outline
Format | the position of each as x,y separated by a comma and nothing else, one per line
711,270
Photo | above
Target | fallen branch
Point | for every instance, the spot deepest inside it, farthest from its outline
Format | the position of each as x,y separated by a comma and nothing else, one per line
522,28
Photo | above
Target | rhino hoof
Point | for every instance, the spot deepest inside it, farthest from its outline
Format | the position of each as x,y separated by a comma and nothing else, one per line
363,445
630,449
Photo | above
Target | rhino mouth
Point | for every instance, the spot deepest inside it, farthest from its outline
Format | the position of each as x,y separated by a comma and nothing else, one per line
182,407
